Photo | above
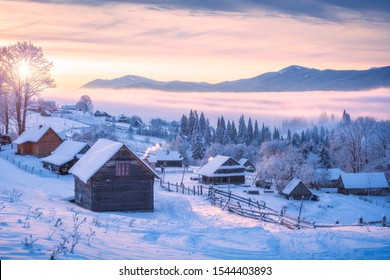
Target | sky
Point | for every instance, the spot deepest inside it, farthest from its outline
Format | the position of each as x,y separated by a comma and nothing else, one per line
210,41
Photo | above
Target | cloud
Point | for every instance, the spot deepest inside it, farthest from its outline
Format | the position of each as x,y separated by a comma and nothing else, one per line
330,10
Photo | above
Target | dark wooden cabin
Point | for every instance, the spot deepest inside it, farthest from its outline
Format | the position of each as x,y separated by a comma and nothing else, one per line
38,141
222,170
65,156
296,189
168,159
110,177
249,166
373,183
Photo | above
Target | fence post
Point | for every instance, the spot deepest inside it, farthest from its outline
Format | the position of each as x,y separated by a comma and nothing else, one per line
194,189
383,220
32,170
169,186
360,220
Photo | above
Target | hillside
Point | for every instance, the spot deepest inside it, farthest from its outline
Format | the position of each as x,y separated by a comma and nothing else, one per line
292,78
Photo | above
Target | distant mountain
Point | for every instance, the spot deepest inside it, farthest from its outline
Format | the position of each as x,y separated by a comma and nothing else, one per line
292,78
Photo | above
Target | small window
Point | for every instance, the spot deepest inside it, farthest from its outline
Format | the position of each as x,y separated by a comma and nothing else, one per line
123,168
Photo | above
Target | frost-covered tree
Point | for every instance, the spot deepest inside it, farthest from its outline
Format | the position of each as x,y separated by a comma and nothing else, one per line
242,130
85,104
184,125
197,148
25,72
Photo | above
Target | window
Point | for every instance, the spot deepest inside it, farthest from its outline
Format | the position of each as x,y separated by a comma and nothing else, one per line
123,168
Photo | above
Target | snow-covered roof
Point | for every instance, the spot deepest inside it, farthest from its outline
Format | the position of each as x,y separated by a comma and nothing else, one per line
242,161
328,174
374,180
33,134
213,165
96,157
168,155
66,152
291,186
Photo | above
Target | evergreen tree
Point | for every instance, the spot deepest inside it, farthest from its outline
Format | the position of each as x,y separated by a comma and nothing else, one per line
256,134
250,136
324,155
276,134
242,131
184,125
197,148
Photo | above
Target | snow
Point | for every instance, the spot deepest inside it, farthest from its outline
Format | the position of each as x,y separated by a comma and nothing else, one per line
329,174
66,152
36,215
95,158
373,180
213,165
168,155
32,134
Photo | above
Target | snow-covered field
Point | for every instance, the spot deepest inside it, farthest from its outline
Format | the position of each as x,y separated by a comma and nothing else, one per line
37,216
38,221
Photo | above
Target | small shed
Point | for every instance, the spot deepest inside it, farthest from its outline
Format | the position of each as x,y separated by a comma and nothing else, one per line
39,141
110,177
65,156
222,170
373,183
296,189
168,159
249,166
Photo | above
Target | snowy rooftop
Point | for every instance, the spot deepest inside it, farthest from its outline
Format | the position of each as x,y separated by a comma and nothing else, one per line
96,157
213,165
291,186
374,180
168,155
66,152
242,161
33,134
332,174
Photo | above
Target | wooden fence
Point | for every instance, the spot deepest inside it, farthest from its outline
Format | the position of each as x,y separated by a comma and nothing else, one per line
181,188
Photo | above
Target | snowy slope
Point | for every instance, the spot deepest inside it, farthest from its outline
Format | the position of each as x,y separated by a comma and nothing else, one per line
182,227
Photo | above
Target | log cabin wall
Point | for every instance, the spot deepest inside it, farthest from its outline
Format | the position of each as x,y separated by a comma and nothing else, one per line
109,192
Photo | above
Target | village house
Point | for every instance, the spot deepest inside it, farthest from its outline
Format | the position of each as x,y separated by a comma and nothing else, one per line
168,159
327,178
39,141
249,166
296,189
374,183
65,156
110,177
222,170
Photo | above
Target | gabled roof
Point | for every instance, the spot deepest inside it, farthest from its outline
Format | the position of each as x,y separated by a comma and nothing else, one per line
374,180
291,186
33,134
216,163
168,156
66,152
328,174
97,156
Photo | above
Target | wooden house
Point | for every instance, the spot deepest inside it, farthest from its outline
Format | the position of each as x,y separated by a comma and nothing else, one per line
222,170
168,159
65,156
296,189
374,183
249,166
110,177
327,178
39,141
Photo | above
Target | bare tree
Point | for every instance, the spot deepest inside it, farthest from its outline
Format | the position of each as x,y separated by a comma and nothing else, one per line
24,71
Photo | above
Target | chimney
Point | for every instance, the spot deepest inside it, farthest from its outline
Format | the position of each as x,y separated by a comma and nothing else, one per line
40,126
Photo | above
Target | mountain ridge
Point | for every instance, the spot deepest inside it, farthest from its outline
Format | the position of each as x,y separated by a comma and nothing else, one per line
291,78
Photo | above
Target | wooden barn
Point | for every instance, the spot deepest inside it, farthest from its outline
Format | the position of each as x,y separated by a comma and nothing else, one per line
110,177
374,183
296,189
168,159
222,170
65,156
249,166
39,141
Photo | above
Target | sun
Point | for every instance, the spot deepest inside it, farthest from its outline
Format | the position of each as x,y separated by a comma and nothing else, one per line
24,69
